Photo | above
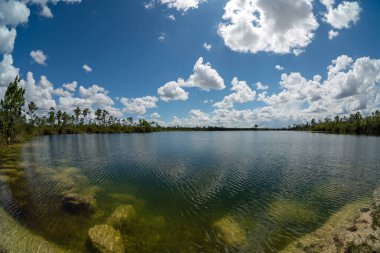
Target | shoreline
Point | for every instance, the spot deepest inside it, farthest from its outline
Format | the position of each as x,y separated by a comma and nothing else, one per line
354,228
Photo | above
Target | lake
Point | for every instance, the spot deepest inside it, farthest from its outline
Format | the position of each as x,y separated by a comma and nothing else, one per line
192,191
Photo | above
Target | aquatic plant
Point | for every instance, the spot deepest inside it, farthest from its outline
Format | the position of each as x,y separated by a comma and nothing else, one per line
230,231
106,239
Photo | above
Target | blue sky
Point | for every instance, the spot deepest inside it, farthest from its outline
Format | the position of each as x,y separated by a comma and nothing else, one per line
133,48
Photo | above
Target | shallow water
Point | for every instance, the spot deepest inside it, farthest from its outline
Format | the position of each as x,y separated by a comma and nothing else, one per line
189,188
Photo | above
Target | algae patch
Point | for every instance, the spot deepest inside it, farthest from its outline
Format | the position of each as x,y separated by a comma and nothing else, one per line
230,231
16,238
106,239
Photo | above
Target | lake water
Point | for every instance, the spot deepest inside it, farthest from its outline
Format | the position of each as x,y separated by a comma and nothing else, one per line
193,191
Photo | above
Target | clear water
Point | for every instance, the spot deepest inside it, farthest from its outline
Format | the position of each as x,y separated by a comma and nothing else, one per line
275,186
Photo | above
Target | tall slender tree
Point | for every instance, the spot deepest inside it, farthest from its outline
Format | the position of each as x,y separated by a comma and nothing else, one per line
32,108
11,119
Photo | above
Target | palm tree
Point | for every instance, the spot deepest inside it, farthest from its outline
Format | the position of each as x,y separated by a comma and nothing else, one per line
98,114
51,119
59,117
105,113
77,113
85,112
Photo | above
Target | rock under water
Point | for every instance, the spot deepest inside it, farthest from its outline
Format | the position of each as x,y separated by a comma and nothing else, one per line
122,215
229,230
106,239
354,228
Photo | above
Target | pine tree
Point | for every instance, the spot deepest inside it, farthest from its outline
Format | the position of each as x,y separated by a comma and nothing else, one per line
11,119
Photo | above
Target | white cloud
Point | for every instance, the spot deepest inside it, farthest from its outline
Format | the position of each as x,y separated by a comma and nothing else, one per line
38,56
242,94
87,68
172,91
339,64
71,86
13,13
7,39
40,93
149,5
279,67
45,10
261,86
207,46
350,86
171,17
162,37
283,26
138,105
7,71
155,115
205,77
182,5
343,16
96,94
333,34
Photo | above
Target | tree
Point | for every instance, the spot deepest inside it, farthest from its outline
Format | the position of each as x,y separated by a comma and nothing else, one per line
85,112
11,111
105,113
51,118
98,114
32,108
59,117
130,120
77,112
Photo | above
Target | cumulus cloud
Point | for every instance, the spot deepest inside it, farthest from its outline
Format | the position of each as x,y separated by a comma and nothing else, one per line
162,37
284,26
171,17
203,76
207,46
242,94
7,71
155,115
279,67
87,68
138,105
260,86
71,86
7,39
40,92
97,94
39,57
343,16
182,5
172,91
350,86
13,13
45,10
333,34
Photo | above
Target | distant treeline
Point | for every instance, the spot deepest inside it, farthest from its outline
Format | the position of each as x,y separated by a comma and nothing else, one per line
355,123
18,122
